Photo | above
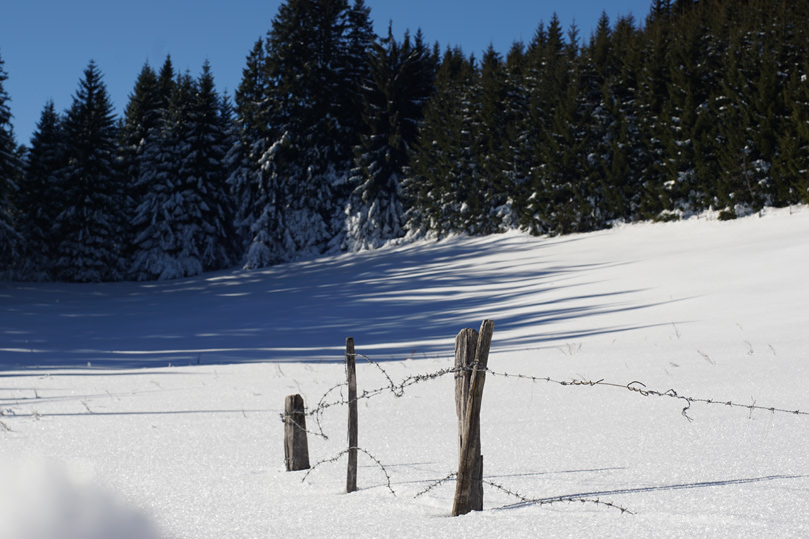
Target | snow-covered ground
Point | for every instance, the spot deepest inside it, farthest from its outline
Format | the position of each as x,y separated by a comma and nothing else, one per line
152,409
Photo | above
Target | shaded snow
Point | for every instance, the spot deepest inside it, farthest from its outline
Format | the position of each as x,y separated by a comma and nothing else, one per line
710,309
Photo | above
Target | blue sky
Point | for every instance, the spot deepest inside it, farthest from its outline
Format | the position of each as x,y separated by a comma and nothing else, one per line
47,44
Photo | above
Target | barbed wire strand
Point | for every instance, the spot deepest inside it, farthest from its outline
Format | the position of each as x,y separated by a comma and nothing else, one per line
339,455
524,500
385,373
318,411
634,386
396,389
436,484
285,418
639,387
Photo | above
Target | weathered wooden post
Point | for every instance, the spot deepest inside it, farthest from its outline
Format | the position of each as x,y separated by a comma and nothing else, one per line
296,445
469,485
351,375
466,344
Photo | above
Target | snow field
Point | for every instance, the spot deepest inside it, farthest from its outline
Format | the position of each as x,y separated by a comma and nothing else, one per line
712,310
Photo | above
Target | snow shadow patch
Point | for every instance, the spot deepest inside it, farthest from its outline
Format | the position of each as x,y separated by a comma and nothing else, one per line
397,303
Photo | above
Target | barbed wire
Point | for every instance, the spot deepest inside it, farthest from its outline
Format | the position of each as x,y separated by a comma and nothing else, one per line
321,406
524,500
397,390
436,484
287,417
376,364
339,455
639,387
634,386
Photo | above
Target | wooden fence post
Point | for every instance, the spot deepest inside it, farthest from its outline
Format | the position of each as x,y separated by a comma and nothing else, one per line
296,445
466,344
469,485
351,375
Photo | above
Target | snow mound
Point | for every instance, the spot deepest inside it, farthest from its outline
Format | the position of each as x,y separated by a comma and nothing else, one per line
42,499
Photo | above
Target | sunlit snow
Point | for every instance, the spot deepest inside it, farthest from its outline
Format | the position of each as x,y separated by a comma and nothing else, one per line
153,409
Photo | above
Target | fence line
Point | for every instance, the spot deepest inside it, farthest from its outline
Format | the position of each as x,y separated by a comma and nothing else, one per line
398,390
634,386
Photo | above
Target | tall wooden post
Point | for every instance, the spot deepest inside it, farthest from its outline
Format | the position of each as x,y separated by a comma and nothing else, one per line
296,445
466,344
469,485
351,375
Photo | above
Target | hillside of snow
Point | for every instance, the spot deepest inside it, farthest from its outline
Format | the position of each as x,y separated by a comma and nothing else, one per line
152,409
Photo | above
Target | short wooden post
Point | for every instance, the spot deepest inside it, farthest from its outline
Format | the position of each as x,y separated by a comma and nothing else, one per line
469,485
351,375
296,445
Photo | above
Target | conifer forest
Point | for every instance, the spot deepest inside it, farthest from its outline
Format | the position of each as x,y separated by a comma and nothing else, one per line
338,139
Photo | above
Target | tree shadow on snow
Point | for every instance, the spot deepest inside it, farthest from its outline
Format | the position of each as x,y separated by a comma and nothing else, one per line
403,302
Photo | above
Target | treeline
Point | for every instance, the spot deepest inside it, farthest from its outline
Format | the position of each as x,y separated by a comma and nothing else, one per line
338,139
706,107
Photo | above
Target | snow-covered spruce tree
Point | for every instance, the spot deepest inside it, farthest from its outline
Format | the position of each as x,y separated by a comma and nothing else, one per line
182,222
517,144
792,167
142,115
459,179
164,246
691,83
764,92
494,138
231,135
653,80
39,201
245,176
399,86
204,168
619,152
10,240
89,224
544,75
551,206
312,117
587,134
438,182
358,43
